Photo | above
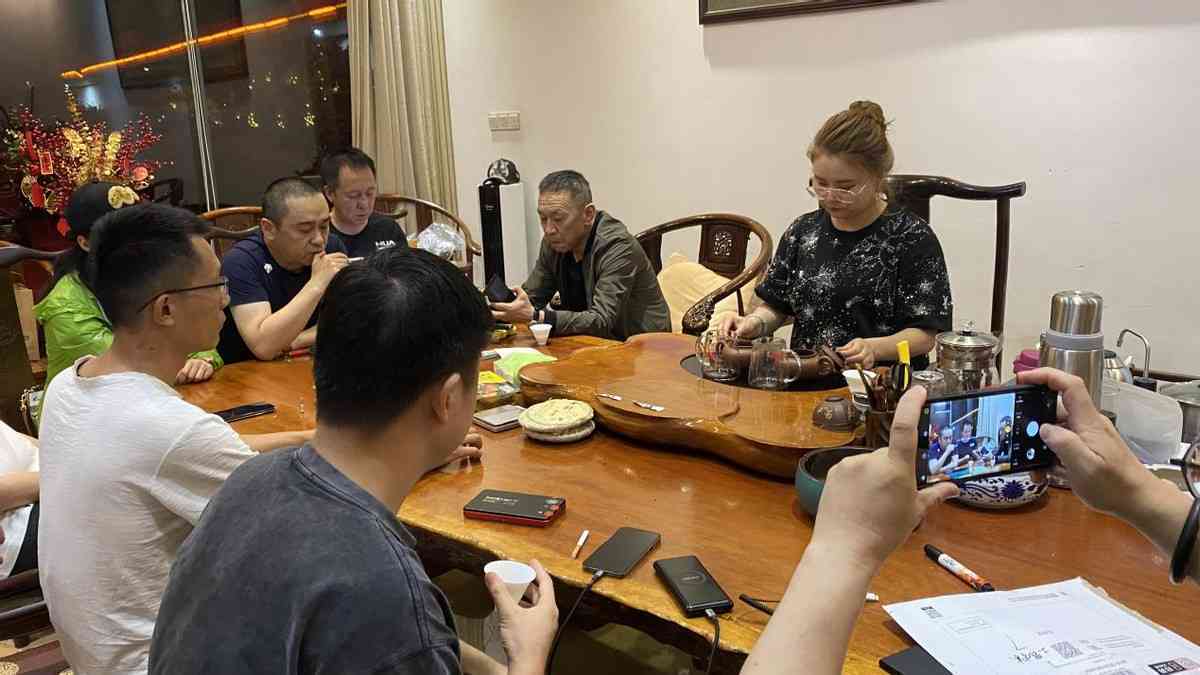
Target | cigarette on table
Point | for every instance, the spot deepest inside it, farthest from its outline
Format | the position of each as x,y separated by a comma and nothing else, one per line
579,544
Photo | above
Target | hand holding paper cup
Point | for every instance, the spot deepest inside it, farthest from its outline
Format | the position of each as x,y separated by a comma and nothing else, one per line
515,575
525,632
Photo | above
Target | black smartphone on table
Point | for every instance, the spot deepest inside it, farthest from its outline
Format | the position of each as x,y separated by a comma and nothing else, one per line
621,553
984,433
247,411
693,587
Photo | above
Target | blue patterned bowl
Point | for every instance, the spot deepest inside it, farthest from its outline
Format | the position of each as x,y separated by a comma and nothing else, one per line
1004,492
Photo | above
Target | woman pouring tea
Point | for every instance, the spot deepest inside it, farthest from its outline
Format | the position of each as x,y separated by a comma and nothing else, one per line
854,274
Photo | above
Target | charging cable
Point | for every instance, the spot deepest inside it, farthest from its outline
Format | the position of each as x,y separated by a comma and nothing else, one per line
712,656
563,626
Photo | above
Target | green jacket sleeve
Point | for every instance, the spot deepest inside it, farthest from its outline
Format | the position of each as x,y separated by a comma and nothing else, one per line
74,325
211,356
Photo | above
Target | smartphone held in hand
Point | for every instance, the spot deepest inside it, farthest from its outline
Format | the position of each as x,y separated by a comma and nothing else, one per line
984,433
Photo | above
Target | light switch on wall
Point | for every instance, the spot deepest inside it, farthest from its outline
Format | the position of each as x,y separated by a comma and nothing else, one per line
504,121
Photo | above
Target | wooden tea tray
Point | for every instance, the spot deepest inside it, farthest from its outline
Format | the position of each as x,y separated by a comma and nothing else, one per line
767,431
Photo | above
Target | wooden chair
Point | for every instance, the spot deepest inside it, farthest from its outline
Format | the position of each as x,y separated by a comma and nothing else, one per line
16,373
23,609
724,241
426,213
230,225
914,192
391,205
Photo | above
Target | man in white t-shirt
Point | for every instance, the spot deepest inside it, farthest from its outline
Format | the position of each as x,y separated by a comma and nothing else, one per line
127,466
18,501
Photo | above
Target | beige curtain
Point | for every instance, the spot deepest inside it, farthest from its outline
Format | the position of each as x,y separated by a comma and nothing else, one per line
399,96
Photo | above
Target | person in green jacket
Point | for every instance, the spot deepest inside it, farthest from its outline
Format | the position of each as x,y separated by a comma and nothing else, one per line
74,322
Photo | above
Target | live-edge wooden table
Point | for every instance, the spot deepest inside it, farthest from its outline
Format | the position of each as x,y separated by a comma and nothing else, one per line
746,528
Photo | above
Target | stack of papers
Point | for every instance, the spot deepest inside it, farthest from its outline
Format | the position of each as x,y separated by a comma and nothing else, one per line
513,359
1066,628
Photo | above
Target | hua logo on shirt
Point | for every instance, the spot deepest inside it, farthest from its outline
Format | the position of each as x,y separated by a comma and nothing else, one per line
386,243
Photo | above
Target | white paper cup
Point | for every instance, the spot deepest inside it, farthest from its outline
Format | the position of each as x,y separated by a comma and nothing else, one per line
515,575
541,332
855,382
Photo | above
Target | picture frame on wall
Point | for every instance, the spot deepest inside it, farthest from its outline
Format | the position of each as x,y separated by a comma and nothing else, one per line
719,11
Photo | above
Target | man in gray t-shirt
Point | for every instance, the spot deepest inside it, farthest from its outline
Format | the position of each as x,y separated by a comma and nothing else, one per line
299,564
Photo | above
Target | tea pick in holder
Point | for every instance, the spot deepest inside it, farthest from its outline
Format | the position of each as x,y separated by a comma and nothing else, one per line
869,385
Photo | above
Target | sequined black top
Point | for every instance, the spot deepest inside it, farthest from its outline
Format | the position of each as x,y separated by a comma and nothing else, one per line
886,277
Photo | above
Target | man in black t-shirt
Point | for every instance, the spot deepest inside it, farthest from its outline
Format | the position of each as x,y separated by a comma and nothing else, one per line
349,177
278,277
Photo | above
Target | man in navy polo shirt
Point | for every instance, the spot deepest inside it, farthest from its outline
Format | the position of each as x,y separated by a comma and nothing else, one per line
278,277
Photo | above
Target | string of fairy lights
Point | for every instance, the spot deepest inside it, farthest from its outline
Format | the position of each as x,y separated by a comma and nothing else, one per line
268,100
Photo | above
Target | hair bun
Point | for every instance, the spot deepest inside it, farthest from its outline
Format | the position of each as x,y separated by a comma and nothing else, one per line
870,110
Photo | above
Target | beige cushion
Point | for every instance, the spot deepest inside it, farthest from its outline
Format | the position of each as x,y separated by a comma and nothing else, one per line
684,283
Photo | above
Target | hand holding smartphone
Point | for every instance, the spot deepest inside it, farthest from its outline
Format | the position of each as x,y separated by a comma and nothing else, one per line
497,291
984,434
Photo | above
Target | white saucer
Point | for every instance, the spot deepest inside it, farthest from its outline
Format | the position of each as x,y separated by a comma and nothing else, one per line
583,433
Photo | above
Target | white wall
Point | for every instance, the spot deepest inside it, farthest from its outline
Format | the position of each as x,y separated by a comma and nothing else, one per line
1095,103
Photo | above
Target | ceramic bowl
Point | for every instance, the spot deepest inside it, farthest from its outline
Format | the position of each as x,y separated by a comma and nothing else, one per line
1004,492
812,470
836,413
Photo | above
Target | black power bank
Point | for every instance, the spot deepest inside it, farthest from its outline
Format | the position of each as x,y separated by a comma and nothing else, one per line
692,586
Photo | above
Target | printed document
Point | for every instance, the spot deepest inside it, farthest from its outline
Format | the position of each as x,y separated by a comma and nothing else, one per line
1066,628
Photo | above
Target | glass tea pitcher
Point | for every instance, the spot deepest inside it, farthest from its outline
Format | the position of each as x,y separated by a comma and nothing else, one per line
772,364
715,351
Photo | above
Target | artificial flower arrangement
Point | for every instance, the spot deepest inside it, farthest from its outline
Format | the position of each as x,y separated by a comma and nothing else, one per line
54,159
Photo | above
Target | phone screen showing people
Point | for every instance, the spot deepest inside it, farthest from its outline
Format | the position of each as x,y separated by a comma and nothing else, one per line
984,434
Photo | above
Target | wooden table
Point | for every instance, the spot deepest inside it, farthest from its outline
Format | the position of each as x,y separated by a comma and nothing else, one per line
747,529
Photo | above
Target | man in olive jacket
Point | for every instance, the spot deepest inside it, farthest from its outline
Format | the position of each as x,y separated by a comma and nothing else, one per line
605,283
